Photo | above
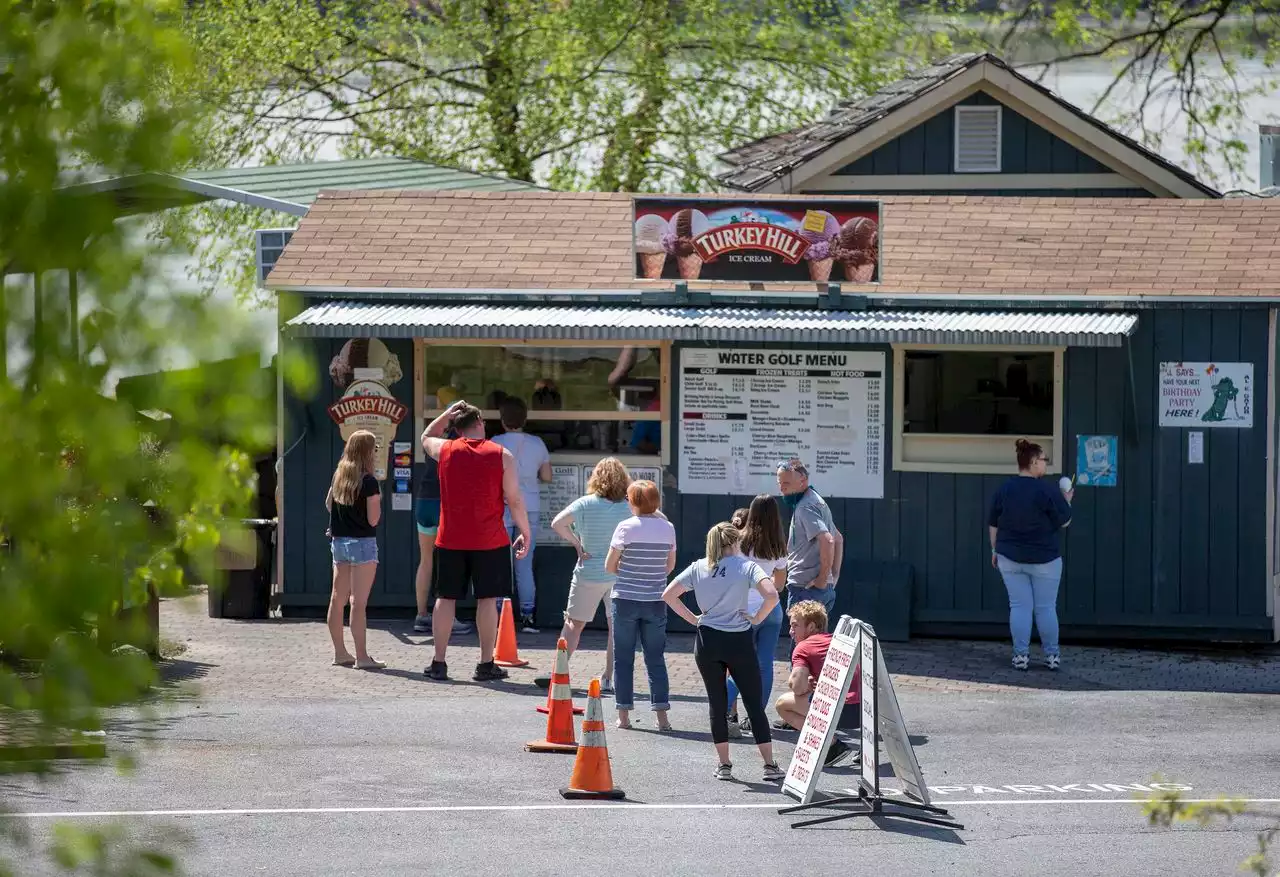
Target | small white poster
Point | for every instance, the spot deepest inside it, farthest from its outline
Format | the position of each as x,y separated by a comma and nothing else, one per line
565,486
1206,394
1195,447
401,502
743,411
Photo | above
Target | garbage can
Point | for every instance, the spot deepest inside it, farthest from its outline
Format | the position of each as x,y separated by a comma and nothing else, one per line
243,563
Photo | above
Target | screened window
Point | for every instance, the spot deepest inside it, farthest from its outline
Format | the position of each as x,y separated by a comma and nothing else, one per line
587,399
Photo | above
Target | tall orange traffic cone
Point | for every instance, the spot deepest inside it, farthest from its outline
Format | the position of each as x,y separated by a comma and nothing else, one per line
505,655
592,777
560,715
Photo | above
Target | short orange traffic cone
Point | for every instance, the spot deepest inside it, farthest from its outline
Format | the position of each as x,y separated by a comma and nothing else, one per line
506,655
560,713
592,777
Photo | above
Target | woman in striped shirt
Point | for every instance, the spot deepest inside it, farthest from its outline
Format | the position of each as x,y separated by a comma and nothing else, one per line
642,554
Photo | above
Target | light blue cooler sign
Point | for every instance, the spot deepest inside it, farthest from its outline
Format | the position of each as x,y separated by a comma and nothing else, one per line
1096,461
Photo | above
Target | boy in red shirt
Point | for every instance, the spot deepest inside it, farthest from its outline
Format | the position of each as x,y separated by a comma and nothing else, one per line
808,631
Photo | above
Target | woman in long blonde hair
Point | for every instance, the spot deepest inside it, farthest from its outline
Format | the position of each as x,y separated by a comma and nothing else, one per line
724,644
354,502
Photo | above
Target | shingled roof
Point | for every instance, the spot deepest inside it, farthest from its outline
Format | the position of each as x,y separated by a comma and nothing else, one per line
761,162
929,244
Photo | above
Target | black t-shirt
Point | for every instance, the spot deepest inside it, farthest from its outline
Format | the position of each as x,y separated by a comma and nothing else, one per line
429,483
352,521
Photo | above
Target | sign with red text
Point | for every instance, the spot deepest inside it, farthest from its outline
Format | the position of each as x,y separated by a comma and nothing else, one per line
819,240
369,405
825,704
1206,394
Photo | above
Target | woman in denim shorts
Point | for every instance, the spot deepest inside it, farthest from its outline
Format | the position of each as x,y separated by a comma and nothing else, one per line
354,502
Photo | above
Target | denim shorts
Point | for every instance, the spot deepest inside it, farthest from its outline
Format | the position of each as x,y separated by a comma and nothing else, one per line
354,551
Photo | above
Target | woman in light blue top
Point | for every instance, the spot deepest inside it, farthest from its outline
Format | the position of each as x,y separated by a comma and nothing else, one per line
588,525
720,583
533,465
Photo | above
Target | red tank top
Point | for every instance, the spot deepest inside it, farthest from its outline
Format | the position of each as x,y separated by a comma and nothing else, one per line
471,501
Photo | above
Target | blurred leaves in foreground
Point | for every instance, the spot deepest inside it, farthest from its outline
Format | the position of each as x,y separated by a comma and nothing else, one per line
100,503
1168,809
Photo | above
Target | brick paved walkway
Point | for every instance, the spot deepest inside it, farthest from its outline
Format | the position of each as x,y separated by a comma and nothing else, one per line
290,658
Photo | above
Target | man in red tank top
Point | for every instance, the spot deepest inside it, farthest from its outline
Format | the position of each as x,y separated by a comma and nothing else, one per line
478,480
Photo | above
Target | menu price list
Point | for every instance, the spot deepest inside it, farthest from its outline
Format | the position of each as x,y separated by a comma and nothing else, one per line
744,411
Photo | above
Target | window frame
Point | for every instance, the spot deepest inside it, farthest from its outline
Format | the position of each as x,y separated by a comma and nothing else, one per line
924,460
978,109
423,415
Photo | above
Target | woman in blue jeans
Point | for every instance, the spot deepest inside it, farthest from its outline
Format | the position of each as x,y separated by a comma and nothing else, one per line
764,543
1023,524
641,555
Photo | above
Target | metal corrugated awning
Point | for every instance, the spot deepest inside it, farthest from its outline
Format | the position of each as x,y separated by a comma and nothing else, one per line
347,319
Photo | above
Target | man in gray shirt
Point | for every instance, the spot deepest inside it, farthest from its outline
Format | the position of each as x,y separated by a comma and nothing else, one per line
815,548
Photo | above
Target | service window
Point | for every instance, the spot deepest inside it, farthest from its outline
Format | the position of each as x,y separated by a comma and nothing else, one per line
959,409
605,399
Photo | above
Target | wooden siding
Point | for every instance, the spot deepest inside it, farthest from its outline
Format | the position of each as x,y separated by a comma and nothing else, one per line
1026,148
1175,550
308,468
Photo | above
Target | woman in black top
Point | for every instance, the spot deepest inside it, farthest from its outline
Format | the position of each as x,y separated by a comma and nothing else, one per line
354,502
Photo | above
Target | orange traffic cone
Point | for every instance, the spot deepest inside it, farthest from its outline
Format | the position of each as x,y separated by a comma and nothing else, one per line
505,655
560,715
592,777
562,651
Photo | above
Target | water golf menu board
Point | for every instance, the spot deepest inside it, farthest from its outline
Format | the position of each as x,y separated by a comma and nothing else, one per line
742,411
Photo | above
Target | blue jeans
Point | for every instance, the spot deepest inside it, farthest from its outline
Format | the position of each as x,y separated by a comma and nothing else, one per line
1032,587
644,622
765,636
825,596
524,572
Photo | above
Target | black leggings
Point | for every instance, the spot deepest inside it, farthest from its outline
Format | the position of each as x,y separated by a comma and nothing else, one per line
716,651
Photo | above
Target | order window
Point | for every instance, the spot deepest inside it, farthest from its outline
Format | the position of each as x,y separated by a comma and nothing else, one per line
960,409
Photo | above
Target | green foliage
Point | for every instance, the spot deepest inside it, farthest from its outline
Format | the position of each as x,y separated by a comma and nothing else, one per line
98,503
612,95
1168,809
1200,57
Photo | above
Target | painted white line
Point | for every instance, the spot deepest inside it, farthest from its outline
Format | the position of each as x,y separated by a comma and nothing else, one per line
522,808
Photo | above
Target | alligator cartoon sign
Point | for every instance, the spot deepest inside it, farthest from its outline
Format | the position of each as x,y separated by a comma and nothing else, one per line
1206,394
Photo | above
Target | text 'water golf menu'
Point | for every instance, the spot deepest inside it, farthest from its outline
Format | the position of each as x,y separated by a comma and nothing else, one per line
744,411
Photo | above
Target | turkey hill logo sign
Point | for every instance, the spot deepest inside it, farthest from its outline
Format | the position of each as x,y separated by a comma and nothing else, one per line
369,405
366,404
752,236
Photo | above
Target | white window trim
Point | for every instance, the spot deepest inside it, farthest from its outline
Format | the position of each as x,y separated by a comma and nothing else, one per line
1056,441
963,109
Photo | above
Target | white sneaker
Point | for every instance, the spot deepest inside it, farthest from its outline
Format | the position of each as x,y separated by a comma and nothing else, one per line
1053,662
1021,662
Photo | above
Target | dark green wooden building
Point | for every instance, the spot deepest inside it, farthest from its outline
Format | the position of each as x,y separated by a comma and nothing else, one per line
1039,274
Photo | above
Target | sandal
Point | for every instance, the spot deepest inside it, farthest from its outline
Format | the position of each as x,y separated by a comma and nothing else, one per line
371,664
349,662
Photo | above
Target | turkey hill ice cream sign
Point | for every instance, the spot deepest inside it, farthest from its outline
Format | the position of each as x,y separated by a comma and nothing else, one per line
789,241
363,370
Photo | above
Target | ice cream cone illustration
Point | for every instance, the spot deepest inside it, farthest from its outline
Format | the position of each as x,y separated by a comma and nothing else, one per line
820,269
858,249
859,273
651,265
648,243
678,240
818,254
364,356
690,266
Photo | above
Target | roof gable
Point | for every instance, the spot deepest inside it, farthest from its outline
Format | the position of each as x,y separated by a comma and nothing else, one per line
786,162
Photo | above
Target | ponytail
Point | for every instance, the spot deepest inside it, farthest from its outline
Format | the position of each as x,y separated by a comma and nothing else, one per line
720,539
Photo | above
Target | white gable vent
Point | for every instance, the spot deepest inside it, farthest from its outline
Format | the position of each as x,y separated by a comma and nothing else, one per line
268,244
977,139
